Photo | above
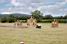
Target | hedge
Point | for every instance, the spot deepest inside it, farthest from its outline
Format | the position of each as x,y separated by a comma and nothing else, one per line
39,21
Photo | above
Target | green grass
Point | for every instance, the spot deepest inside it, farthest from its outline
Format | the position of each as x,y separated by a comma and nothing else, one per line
46,35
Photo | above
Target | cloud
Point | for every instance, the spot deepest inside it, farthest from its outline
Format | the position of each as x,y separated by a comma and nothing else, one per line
53,7
66,1
57,8
14,2
6,12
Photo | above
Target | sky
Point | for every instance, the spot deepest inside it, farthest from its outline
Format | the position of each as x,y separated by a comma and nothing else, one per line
53,7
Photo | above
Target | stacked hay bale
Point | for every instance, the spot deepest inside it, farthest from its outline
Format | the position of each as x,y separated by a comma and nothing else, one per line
18,23
55,23
34,22
31,22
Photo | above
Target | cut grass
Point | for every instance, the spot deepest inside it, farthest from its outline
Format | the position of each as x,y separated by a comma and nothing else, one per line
46,35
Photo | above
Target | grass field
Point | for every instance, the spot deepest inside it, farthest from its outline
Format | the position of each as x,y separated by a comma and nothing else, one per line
46,35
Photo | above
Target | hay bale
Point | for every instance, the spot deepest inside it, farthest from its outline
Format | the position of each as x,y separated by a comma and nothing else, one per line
18,23
55,24
31,22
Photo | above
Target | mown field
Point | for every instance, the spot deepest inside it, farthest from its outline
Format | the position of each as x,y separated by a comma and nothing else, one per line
46,35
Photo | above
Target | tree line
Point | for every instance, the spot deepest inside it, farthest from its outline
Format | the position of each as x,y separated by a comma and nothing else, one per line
36,14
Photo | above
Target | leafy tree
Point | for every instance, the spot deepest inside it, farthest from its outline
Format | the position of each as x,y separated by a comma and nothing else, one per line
37,14
65,17
4,19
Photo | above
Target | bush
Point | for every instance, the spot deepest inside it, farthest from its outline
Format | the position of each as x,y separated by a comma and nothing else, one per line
50,20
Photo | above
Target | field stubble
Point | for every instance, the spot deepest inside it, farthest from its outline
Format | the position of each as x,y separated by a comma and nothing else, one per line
46,35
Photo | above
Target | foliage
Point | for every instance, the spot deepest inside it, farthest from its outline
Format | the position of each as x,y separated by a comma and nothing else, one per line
65,17
37,14
48,17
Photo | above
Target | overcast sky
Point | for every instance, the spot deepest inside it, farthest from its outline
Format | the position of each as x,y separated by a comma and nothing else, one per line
54,7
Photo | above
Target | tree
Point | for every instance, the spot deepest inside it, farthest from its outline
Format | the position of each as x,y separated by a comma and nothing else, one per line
3,19
37,14
65,17
48,16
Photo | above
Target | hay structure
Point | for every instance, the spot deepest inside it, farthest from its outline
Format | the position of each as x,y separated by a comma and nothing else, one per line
55,23
18,23
31,22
